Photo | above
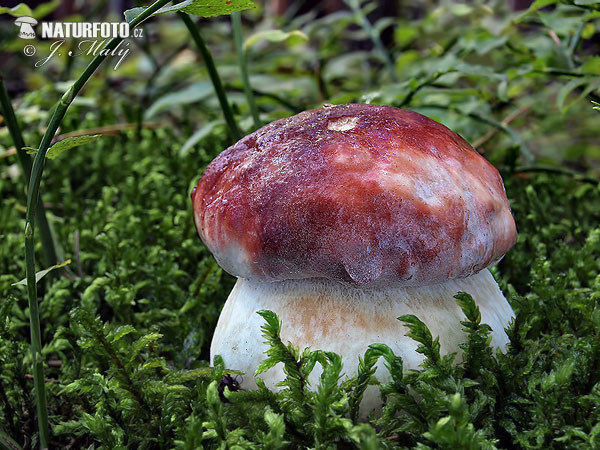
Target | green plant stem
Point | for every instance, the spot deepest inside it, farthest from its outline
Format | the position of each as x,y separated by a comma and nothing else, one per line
363,21
279,99
558,171
575,40
238,38
32,203
8,443
235,132
528,157
50,257
426,82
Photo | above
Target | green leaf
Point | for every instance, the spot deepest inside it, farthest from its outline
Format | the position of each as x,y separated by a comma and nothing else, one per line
122,331
201,8
42,273
191,94
17,11
539,4
44,9
469,307
23,10
198,135
586,84
132,13
591,65
212,8
292,38
587,2
68,143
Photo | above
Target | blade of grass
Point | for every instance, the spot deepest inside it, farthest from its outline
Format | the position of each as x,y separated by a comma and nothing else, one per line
50,256
32,206
363,21
236,21
8,443
235,132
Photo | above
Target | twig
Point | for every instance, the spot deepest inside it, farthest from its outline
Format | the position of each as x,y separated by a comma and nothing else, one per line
47,380
11,151
558,171
490,134
555,38
108,130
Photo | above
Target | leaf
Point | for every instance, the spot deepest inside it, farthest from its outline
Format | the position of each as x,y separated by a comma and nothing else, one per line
122,331
17,11
201,8
42,273
212,8
292,37
585,83
132,13
539,4
191,94
198,135
592,65
68,143
23,10
44,9
469,307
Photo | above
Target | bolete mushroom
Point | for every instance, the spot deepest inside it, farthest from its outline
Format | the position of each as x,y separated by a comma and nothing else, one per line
342,219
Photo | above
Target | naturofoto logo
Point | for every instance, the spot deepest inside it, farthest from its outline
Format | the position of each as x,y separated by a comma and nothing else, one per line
26,25
77,30
93,37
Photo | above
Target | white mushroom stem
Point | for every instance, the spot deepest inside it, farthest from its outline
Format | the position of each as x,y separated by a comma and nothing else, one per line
327,315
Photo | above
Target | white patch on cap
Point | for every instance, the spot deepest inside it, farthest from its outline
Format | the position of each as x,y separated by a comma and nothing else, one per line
342,124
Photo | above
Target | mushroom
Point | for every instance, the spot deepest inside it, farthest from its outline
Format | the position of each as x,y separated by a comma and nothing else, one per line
342,219
26,23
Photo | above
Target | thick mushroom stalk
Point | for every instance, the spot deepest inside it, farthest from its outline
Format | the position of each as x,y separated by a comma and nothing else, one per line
327,315
343,218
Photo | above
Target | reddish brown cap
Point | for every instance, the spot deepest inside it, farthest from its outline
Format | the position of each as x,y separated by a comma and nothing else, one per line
364,194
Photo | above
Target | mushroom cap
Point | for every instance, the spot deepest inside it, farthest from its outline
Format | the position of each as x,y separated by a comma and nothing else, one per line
25,19
362,194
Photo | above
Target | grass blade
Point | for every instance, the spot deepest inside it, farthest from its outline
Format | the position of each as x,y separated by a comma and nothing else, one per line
234,130
236,21
32,208
50,255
